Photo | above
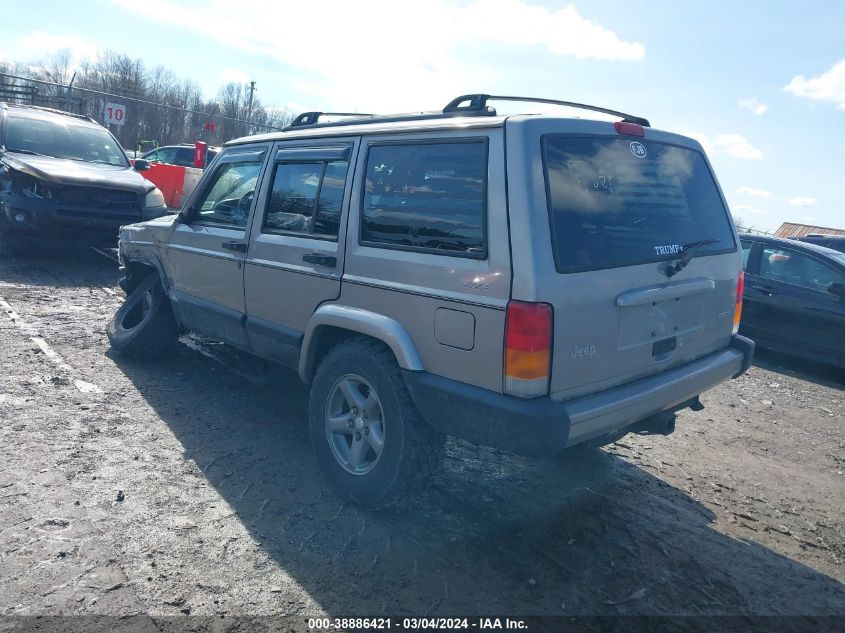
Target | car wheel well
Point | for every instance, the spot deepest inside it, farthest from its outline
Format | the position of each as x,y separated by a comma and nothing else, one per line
326,338
136,272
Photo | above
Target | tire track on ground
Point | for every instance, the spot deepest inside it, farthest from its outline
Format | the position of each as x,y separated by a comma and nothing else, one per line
51,354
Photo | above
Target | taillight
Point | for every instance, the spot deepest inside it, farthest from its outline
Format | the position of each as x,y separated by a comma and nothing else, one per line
528,349
740,288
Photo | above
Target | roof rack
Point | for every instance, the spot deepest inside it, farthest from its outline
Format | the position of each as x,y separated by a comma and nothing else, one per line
477,106
53,110
312,118
478,103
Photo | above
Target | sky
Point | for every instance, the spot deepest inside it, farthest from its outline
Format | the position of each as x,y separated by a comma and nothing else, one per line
760,84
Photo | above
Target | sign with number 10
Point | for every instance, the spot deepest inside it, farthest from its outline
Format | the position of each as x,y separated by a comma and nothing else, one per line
114,113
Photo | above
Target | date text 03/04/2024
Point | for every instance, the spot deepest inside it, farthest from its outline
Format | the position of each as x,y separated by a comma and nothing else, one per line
416,624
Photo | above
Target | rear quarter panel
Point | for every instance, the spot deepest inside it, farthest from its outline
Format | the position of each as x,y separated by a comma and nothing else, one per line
464,298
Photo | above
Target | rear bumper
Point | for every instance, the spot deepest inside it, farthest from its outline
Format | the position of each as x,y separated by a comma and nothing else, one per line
541,426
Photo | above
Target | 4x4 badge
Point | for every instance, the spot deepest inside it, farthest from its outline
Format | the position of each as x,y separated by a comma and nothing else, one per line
637,149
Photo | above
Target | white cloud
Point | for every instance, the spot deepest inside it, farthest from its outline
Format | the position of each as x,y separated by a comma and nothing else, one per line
737,145
562,32
233,75
744,208
40,43
802,201
734,144
391,55
754,106
751,191
829,86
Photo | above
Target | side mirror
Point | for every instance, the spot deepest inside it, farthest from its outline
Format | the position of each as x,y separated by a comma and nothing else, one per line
141,164
837,288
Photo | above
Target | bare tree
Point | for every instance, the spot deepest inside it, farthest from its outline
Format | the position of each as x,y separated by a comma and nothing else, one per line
157,100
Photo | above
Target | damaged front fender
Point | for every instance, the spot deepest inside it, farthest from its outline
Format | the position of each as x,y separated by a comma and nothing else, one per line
139,250
21,197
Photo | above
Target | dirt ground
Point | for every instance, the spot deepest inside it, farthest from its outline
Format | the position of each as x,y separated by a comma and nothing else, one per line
225,513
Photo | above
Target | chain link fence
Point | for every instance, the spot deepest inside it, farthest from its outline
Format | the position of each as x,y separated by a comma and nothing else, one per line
142,123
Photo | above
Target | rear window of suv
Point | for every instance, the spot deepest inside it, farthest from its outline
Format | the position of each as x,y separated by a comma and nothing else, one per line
620,202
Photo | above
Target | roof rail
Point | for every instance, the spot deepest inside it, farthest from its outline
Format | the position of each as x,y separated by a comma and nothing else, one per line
478,103
476,106
312,118
53,110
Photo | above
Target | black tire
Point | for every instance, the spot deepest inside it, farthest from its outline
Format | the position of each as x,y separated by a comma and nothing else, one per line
411,449
144,324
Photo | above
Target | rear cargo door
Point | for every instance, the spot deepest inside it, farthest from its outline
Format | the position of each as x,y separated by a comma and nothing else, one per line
621,211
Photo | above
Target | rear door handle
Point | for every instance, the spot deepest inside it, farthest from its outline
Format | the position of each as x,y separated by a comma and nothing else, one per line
321,260
766,290
238,247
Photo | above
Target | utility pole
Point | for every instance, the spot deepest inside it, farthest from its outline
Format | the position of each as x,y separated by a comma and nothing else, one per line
249,108
67,92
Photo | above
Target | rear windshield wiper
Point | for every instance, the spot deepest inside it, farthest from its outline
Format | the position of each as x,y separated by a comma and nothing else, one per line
687,252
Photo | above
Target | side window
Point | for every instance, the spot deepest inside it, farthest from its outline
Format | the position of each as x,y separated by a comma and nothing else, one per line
746,251
228,196
165,155
427,197
797,268
306,198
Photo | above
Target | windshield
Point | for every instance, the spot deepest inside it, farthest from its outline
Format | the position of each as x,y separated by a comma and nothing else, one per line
63,137
616,202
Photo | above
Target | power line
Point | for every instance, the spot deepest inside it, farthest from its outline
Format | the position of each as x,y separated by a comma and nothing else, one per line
137,100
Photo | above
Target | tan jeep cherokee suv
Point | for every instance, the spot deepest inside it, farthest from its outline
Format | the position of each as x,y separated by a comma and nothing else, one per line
527,282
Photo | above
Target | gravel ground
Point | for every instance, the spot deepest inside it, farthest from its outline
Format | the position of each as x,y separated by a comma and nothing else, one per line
222,510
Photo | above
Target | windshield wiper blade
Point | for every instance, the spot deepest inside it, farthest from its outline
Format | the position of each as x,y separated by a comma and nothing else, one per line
687,253
94,162
25,151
